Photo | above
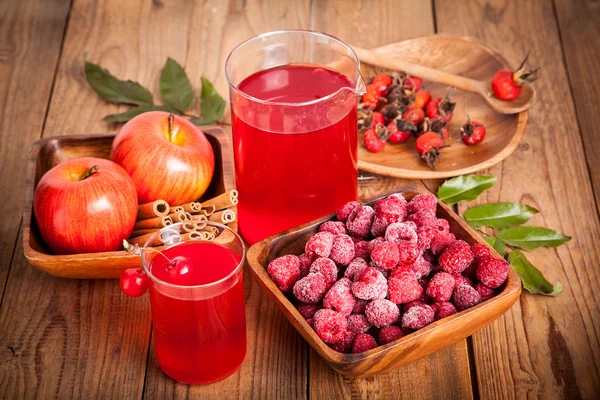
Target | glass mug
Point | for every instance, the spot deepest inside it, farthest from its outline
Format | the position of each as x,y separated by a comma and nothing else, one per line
294,102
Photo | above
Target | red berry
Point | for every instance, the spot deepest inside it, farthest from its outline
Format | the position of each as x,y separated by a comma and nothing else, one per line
441,286
462,280
442,225
423,218
492,272
388,334
362,249
355,269
360,305
306,260
485,292
412,83
358,323
320,244
506,84
415,116
342,251
311,288
480,250
371,284
403,286
428,146
423,201
335,227
330,325
285,272
363,342
401,231
397,136
441,241
465,296
345,345
382,312
382,79
372,141
407,252
386,255
308,310
425,235
421,267
443,309
456,257
133,282
347,209
422,98
472,132
327,268
371,98
377,119
359,222
417,317
387,211
340,297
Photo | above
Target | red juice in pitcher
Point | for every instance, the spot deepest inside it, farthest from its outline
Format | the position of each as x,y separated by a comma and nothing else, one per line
298,161
200,335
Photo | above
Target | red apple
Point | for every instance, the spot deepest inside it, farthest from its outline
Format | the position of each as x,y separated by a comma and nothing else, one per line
167,157
85,205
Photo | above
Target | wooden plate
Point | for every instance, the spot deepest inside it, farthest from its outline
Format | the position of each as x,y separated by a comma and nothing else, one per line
47,153
419,344
462,56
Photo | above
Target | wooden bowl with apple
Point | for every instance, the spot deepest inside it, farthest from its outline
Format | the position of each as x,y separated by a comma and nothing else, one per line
47,153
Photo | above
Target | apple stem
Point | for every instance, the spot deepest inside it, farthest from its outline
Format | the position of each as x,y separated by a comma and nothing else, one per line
90,172
171,121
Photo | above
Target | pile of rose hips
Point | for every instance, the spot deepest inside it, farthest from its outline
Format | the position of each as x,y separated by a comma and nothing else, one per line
379,273
396,107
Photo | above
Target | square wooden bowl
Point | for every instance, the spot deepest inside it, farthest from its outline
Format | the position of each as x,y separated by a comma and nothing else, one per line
412,347
49,152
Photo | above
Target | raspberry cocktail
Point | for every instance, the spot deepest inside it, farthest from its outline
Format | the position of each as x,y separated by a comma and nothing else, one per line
294,122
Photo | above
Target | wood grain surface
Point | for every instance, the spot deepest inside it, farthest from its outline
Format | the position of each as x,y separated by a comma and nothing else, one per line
545,347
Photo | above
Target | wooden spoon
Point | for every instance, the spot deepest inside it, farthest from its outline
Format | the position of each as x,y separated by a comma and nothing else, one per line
483,88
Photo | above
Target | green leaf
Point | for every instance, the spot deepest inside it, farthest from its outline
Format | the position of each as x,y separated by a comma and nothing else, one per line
499,215
175,87
532,237
199,121
466,187
132,112
500,247
533,280
212,105
490,240
114,90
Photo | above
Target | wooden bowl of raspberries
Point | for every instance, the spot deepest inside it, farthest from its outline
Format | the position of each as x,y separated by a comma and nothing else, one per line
376,286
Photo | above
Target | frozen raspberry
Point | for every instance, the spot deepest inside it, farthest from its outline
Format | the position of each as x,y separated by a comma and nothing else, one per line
320,244
407,252
423,201
456,257
308,310
443,309
440,242
386,255
355,268
492,272
465,297
285,272
401,231
342,251
374,243
461,280
382,312
391,209
345,345
379,226
335,227
362,249
340,297
327,268
428,256
359,222
311,322
417,317
398,196
388,334
370,285
413,303
485,292
422,218
442,225
480,250
347,209
359,306
421,267
358,323
403,286
441,286
306,260
384,272
363,342
311,288
330,325
424,236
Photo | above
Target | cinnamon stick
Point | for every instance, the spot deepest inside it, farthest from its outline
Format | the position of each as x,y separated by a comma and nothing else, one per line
190,226
226,237
177,209
158,208
192,236
153,223
199,217
223,217
192,207
212,229
208,210
233,225
222,201
181,216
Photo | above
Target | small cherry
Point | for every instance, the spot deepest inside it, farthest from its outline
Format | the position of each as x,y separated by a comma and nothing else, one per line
179,266
134,282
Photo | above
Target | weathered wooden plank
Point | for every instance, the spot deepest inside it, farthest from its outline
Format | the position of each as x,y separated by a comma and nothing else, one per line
544,347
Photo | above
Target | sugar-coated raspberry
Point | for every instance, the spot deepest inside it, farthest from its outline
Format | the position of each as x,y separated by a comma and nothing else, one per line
359,222
285,272
345,345
384,272
370,285
443,309
327,268
388,334
358,323
441,241
485,292
374,243
330,325
424,236
456,257
320,244
347,209
306,260
359,306
362,249
386,255
340,298
379,226
428,256
417,317
441,286
442,225
311,288
492,272
335,227
311,322
308,310
403,286
391,209
407,306
422,218
342,251
401,231
382,312
480,250
355,268
423,201
363,342
465,297
407,252
461,280
399,196
471,270
421,267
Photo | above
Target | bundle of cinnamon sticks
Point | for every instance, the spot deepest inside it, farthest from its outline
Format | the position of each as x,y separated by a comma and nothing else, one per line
159,214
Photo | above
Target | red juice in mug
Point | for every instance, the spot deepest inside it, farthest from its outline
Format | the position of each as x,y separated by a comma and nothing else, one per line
293,164
199,333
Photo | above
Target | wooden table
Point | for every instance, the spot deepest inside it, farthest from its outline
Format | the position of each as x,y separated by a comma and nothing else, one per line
84,339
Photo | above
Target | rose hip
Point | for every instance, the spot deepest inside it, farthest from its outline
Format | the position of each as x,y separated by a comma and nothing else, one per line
285,272
320,244
330,325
